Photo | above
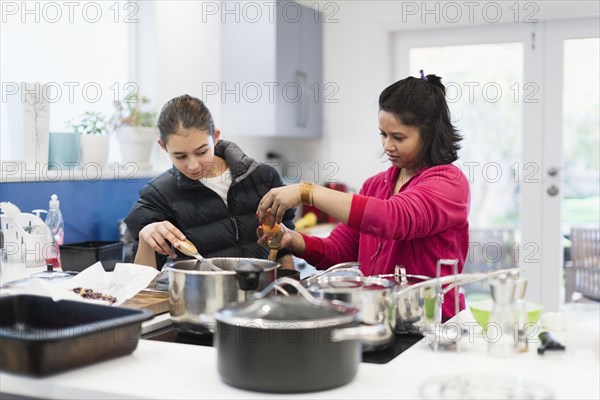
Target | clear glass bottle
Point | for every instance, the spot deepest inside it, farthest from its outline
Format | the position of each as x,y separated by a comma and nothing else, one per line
500,328
54,222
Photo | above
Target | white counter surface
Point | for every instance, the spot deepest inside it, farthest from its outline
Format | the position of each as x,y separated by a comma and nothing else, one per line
170,370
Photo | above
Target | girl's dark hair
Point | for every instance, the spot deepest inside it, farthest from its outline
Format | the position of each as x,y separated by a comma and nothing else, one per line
422,103
184,112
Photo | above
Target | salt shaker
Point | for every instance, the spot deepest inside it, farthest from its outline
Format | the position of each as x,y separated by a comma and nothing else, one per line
499,329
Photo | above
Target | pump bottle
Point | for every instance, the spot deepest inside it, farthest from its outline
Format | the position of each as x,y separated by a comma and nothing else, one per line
54,222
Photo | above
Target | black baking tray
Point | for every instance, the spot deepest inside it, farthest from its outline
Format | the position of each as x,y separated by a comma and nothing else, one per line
79,256
39,336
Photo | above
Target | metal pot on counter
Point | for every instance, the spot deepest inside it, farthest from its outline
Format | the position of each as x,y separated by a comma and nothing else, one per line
406,302
288,344
196,293
388,298
373,296
413,299
397,299
418,299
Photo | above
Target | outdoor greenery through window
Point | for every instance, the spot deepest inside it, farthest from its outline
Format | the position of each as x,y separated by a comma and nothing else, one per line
81,49
485,91
581,136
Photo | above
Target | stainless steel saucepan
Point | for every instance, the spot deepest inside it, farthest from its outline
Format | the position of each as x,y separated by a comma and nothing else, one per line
421,302
196,292
414,299
373,296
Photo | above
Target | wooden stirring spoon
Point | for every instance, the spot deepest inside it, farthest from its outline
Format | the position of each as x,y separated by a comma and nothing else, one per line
188,248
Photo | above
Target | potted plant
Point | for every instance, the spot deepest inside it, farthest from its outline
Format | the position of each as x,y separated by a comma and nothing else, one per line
135,126
93,142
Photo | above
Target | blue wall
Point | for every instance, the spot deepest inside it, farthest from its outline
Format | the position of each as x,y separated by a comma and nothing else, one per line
91,209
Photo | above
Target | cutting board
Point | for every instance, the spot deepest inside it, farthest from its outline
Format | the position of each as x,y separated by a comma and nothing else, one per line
155,301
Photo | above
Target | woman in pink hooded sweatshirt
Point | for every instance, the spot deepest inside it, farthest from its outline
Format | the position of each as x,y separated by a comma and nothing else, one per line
413,214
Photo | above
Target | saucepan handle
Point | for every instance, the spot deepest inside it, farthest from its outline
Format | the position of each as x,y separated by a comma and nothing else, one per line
362,332
277,285
344,265
330,280
464,279
401,277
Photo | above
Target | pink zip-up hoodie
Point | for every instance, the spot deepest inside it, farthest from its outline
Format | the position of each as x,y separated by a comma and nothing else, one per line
424,222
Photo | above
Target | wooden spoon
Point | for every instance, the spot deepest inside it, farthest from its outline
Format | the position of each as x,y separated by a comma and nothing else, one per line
188,248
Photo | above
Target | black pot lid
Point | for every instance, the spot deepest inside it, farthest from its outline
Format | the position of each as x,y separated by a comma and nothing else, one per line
283,312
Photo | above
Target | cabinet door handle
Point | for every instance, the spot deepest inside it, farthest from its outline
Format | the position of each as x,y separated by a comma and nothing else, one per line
302,110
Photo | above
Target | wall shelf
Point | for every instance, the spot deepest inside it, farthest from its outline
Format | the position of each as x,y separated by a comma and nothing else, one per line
17,171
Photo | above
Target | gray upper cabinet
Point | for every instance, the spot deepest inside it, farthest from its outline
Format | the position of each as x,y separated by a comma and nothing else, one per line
271,70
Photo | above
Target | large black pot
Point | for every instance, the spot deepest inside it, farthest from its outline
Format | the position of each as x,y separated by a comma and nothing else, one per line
287,344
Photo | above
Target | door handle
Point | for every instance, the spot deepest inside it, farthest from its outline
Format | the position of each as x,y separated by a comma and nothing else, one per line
553,171
552,190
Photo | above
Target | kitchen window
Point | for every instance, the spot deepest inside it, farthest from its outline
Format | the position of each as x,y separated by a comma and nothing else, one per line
483,80
81,49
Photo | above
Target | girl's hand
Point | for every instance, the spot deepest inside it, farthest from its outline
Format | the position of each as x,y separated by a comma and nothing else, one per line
157,234
276,202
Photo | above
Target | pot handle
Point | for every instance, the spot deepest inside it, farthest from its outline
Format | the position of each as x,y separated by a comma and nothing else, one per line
277,285
437,313
444,280
344,265
464,279
401,277
362,332
247,275
328,279
297,285
154,283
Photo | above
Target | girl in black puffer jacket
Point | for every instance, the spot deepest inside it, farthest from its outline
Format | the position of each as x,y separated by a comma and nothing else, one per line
210,196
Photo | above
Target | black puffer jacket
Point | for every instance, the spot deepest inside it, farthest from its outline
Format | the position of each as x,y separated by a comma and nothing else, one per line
216,229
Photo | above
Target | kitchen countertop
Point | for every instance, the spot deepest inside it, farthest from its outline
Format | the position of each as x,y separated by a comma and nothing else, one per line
171,370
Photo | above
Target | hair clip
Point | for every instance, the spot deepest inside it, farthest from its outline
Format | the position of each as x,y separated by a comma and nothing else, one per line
423,75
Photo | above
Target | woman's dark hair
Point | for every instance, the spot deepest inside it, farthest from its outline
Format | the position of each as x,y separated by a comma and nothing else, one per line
422,103
184,112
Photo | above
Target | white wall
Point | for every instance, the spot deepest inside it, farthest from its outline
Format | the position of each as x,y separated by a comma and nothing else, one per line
178,52
356,59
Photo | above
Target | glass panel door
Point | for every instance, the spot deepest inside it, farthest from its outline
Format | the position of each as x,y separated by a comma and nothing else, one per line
482,83
485,94
581,165
527,102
